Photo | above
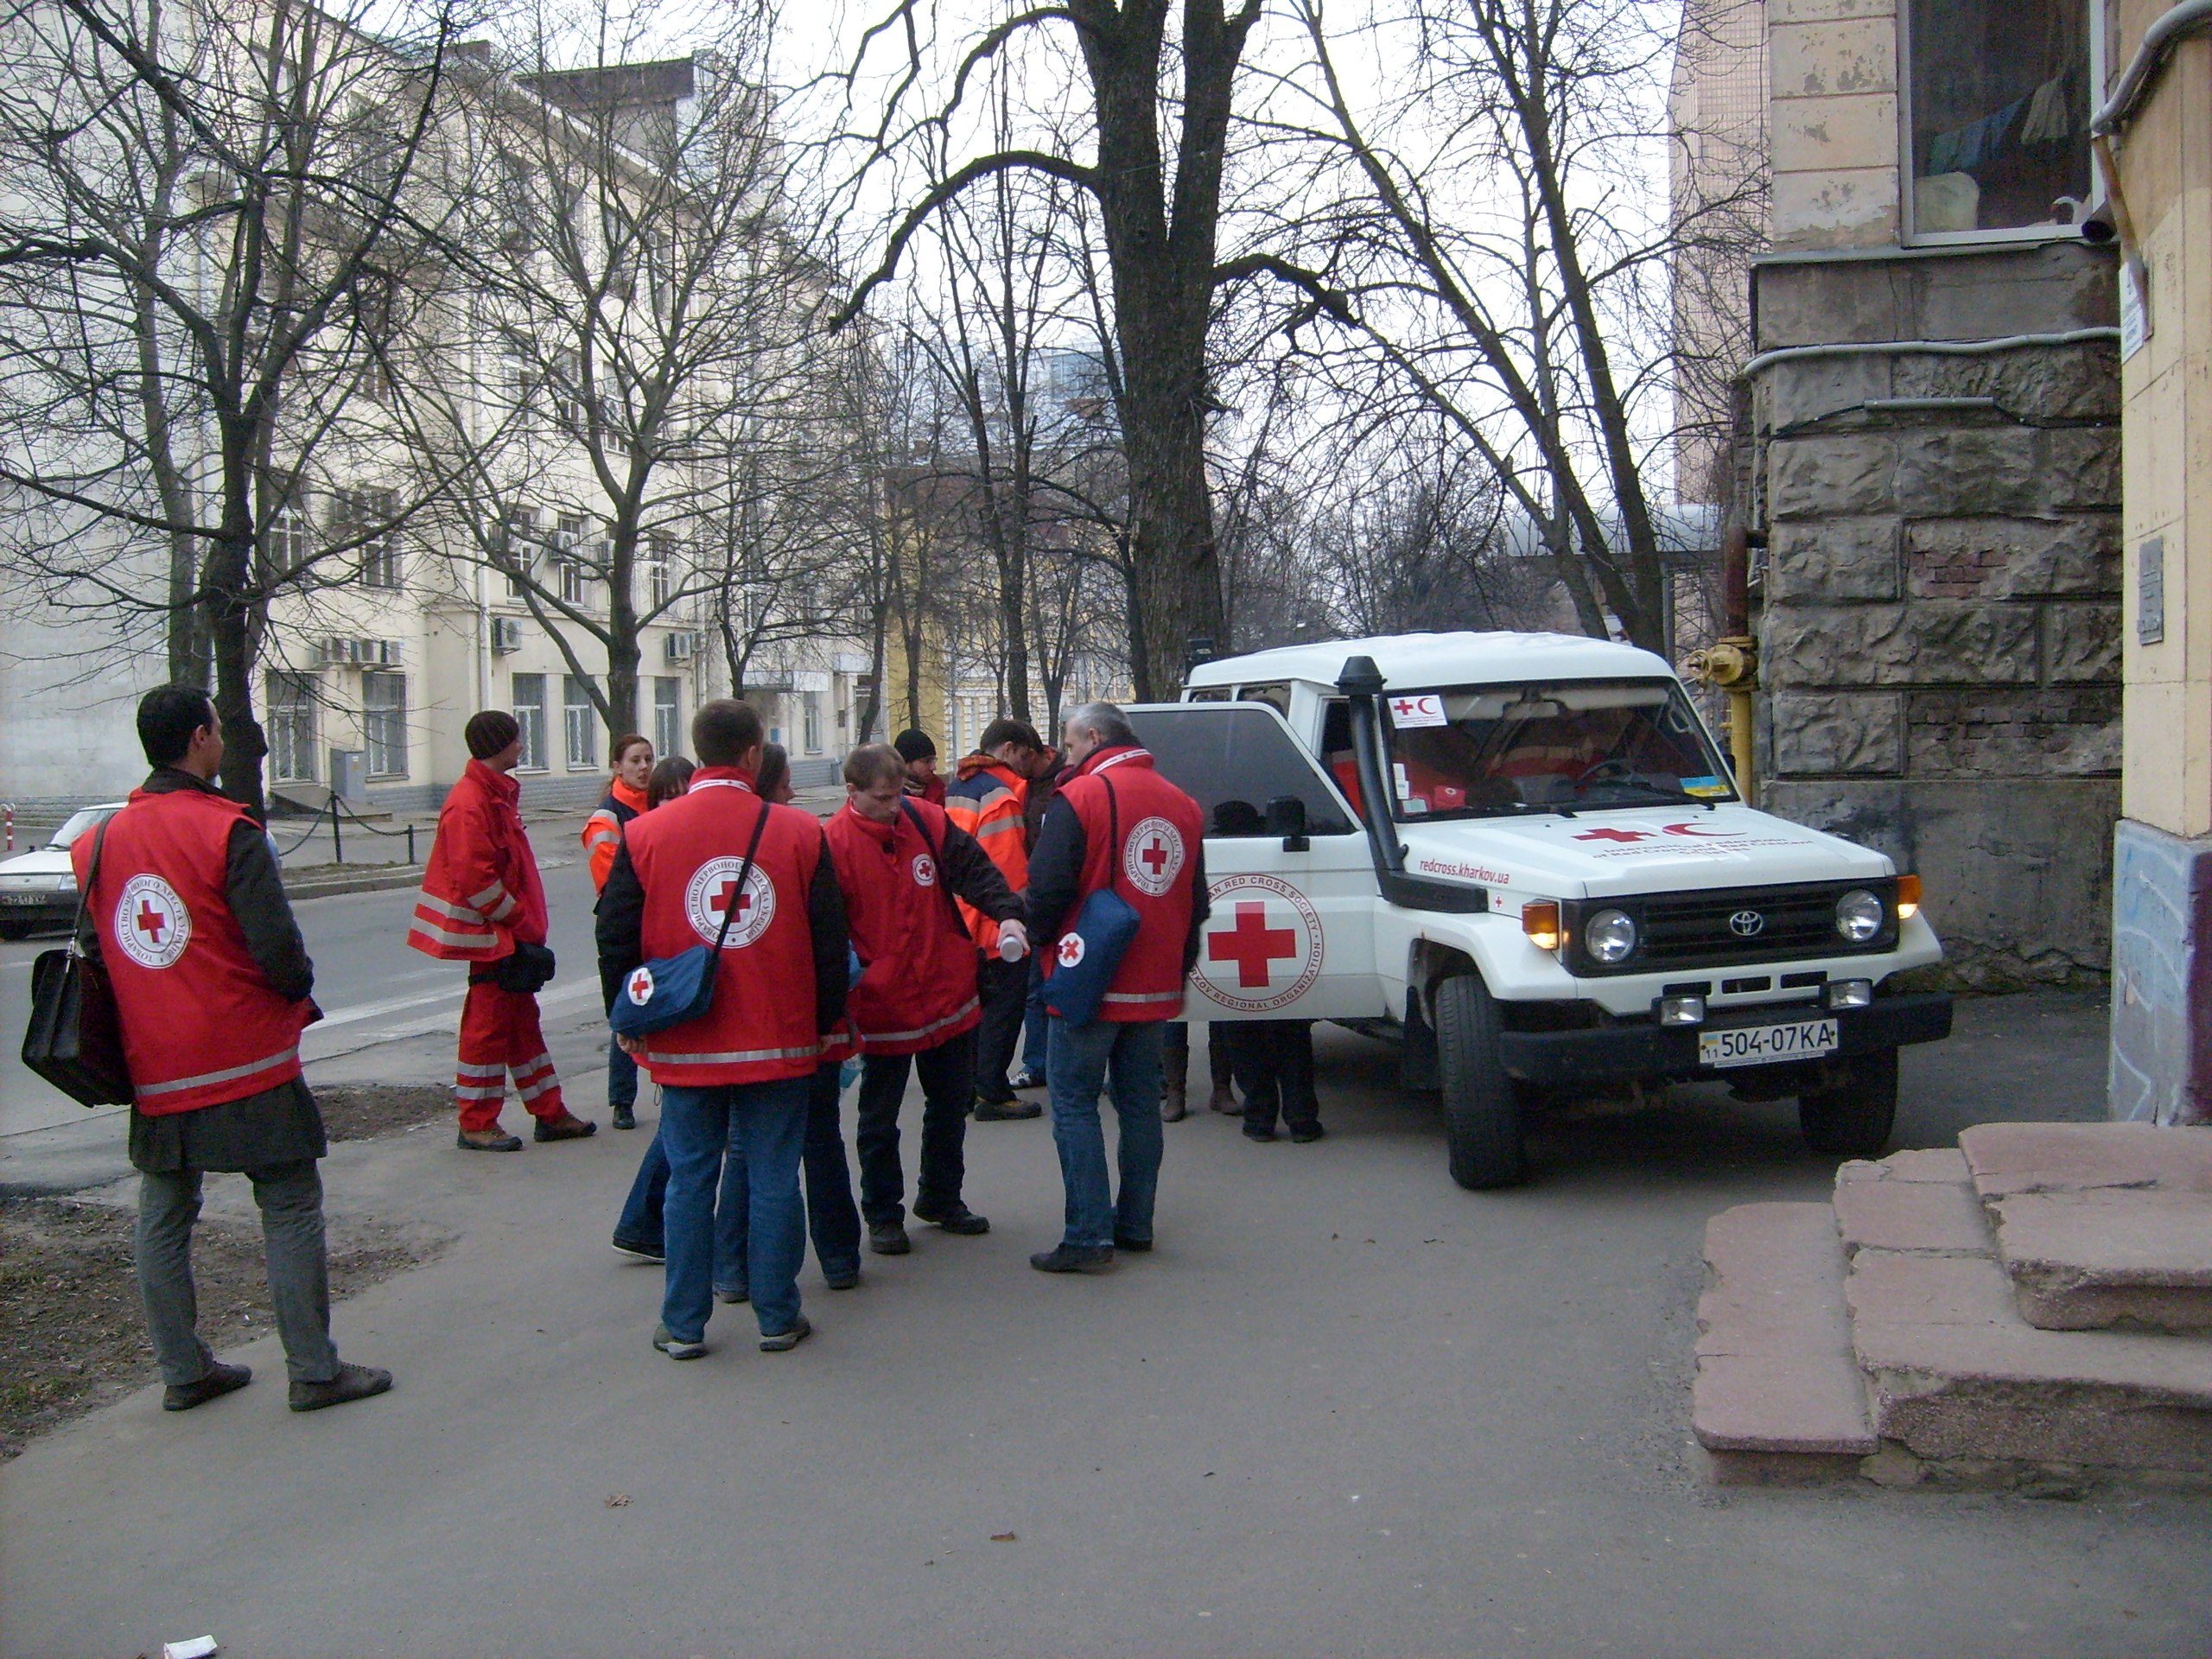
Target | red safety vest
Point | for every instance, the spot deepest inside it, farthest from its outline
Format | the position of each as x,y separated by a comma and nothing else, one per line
688,853
919,990
1161,830
200,1023
481,890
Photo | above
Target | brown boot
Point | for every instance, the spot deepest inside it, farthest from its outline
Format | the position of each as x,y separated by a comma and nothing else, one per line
1175,1071
566,1127
1223,1099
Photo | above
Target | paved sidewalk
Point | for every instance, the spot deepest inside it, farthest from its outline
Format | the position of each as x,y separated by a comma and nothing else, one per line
1345,1409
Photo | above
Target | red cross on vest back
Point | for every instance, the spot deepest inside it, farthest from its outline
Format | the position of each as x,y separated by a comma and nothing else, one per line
1155,855
1252,945
150,922
720,903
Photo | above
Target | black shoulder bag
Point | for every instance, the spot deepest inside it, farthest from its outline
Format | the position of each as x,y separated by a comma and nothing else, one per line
74,1039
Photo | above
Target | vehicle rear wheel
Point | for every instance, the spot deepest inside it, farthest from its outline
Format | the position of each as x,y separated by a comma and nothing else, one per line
1482,1105
1851,1114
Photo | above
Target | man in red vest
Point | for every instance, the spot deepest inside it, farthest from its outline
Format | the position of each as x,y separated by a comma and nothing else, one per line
482,903
1116,825
735,1079
185,910
902,864
624,800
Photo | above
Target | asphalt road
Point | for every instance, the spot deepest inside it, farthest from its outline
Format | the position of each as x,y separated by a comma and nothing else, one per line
1345,1409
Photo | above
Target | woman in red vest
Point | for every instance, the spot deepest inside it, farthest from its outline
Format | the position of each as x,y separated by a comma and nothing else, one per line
602,834
482,903
902,863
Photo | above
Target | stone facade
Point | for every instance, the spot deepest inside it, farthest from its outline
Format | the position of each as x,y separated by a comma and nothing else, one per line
1940,616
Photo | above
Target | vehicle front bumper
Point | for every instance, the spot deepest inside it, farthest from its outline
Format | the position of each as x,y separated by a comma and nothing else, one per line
1646,1049
35,909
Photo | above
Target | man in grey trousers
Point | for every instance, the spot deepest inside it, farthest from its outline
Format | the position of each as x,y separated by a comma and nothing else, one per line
185,911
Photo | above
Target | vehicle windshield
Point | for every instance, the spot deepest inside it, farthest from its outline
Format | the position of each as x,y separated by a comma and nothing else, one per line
1481,751
79,823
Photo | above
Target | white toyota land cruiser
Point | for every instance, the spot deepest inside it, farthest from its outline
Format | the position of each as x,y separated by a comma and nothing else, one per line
1524,854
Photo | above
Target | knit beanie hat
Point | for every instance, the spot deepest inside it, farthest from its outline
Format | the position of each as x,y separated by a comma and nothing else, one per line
487,733
914,745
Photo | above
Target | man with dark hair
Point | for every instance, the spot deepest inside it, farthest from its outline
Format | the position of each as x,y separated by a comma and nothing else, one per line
184,909
902,863
918,749
719,866
482,903
989,800
1116,826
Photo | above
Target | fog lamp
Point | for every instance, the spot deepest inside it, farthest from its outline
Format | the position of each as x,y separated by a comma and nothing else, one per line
1848,992
1682,1010
1540,921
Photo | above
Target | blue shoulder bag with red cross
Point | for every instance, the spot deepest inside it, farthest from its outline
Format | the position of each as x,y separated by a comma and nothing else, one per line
669,990
1085,957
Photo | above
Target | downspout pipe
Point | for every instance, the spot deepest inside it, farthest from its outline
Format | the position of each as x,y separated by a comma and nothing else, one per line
2191,18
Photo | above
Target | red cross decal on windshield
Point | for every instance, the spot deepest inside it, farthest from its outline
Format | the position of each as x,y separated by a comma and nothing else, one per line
1403,707
150,922
718,904
1252,945
1615,835
1155,855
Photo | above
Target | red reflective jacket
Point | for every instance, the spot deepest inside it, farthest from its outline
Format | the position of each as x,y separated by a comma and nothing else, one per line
481,893
920,987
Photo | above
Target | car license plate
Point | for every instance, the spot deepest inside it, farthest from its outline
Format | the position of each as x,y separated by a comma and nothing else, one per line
1802,1039
22,898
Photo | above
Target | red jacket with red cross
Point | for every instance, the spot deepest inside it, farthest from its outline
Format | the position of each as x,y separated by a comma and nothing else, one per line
918,989
201,1024
686,855
480,895
1117,822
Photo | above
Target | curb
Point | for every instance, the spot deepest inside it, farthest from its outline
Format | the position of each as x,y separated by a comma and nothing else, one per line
382,880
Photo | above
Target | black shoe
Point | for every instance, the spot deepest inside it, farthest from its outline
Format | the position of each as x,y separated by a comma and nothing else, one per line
1026,1080
1306,1133
352,1382
1006,1111
954,1219
1072,1258
626,1118
487,1140
783,1341
1254,1133
887,1238
567,1126
221,1379
638,1250
1137,1246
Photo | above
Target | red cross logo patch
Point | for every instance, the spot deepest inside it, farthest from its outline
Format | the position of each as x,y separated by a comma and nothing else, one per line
1069,950
924,870
640,987
1152,856
714,889
152,926
1264,944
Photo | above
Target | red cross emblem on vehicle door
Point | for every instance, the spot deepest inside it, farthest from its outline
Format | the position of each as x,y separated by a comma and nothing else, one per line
1252,945
1269,955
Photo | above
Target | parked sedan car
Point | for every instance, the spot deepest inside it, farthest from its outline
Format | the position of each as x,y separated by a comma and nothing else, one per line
38,889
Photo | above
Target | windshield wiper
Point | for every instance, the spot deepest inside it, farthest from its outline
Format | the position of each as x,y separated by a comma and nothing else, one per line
1661,791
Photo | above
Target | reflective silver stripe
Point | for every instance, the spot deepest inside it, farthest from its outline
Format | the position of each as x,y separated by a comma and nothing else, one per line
487,1091
504,909
741,1057
481,938
495,1071
998,829
483,901
229,1074
1106,765
536,1089
454,913
952,1019
1149,996
602,838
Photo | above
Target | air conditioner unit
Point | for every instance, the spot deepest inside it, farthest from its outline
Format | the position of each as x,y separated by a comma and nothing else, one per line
506,634
680,645
386,653
340,652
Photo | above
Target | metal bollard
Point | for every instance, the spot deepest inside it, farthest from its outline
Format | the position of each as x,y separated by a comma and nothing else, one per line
337,838
11,826
410,843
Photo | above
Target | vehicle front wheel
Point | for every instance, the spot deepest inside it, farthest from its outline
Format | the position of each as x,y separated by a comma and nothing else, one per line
1482,1105
1852,1112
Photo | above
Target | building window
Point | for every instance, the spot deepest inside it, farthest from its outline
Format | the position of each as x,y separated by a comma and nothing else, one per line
659,566
530,715
575,583
1998,101
579,722
668,732
519,547
810,721
291,727
291,531
384,722
370,514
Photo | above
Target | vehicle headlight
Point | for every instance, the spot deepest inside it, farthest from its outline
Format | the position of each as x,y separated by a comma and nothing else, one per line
65,882
1859,916
1610,936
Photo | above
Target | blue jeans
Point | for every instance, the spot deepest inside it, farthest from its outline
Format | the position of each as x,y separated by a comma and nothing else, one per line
1082,1058
764,1126
1036,1025
642,1225
639,1227
831,1216
622,1076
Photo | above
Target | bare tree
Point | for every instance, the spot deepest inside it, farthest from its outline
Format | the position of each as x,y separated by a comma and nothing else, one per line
209,227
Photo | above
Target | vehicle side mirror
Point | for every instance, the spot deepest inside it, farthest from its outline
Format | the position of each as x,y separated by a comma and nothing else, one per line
1287,818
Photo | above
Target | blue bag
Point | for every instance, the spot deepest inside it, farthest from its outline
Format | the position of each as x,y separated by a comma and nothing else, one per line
1087,956
670,990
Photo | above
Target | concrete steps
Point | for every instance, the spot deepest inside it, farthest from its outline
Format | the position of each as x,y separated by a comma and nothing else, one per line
2031,1306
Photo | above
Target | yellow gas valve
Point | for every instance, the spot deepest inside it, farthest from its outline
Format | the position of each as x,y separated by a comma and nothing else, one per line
1725,663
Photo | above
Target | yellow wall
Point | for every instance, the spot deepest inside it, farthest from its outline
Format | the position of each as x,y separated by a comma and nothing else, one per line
2165,164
